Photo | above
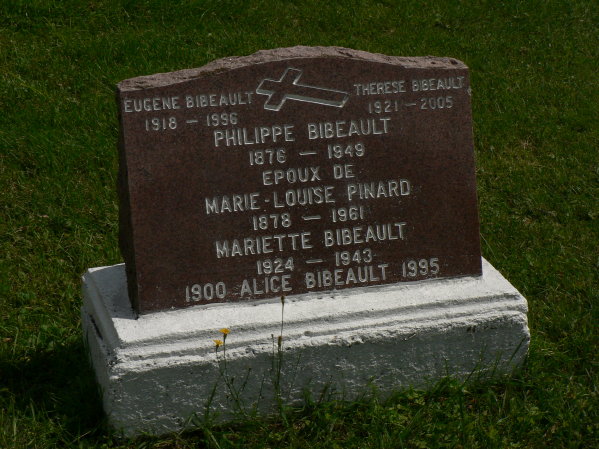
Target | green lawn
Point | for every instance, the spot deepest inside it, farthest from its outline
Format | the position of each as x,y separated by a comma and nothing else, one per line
534,71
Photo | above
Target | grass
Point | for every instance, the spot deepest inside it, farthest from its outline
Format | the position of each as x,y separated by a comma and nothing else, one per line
533,67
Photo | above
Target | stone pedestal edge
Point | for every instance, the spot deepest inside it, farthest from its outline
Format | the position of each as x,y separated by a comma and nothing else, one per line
159,369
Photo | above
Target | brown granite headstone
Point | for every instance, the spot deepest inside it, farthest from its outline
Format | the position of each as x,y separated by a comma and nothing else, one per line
295,171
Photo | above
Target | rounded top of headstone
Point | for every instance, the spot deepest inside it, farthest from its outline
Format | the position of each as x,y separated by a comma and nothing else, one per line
279,54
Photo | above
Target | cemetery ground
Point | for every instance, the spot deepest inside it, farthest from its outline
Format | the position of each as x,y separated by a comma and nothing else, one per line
533,71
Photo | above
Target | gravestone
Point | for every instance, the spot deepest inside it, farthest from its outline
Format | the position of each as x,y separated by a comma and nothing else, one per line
340,179
252,178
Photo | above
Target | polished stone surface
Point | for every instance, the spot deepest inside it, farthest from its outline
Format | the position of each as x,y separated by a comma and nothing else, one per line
296,170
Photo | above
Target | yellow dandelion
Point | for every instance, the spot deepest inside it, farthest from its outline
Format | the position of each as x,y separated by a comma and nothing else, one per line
225,331
218,343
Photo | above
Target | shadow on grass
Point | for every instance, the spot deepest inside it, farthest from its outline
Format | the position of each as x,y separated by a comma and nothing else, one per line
59,384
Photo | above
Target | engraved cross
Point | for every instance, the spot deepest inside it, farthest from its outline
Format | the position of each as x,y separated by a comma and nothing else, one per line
289,88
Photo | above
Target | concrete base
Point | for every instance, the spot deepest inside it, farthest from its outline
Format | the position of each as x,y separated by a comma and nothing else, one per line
156,371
